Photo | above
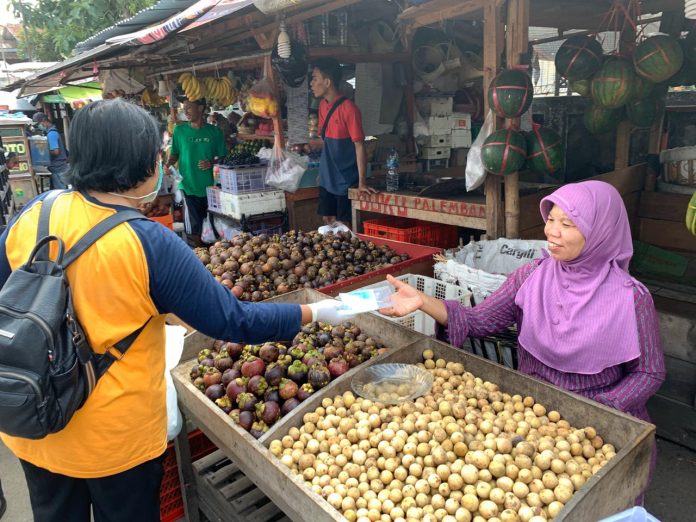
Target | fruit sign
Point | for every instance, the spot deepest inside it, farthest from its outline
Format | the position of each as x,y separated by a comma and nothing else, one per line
402,206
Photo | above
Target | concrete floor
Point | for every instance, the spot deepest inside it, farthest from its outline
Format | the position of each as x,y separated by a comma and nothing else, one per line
670,497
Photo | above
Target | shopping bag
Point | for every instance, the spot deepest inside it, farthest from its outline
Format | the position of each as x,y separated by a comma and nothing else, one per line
475,172
285,169
174,347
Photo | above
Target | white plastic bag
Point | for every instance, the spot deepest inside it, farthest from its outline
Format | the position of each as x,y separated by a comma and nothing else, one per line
475,173
333,228
285,169
208,233
174,347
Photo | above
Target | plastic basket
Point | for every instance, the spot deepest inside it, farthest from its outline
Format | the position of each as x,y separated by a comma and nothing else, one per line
438,234
238,206
171,503
405,230
420,321
242,180
214,199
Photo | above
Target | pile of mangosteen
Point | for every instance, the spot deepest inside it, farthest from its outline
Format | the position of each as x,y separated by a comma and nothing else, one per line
257,384
255,268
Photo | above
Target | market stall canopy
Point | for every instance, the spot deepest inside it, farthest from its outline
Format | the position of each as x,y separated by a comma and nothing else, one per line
71,93
10,100
145,18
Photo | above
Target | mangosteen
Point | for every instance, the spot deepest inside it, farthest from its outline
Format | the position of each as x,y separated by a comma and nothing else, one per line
269,352
313,357
337,367
223,363
214,391
304,392
258,429
253,366
203,354
296,352
287,389
246,419
285,360
289,405
199,383
272,394
268,412
208,362
274,373
224,403
234,350
257,385
195,372
212,376
353,359
298,372
247,401
229,375
236,388
323,339
318,375
332,351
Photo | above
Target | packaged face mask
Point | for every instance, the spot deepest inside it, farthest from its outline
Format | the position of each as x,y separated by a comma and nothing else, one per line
367,299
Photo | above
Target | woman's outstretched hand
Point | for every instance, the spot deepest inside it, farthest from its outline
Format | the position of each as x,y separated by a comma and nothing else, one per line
405,300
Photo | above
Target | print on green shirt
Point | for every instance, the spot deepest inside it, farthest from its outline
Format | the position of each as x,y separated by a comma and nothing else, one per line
194,145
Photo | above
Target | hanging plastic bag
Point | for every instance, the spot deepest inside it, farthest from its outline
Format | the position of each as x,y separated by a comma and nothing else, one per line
285,169
174,347
262,101
475,172
208,232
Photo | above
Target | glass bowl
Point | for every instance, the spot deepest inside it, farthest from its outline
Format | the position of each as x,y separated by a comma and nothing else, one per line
392,383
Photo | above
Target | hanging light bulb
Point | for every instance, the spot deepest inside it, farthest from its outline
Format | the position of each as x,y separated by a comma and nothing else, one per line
284,47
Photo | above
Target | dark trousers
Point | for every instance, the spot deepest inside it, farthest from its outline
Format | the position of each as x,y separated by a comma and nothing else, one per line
130,496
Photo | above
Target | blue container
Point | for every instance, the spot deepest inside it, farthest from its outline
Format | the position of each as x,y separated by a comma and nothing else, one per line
40,155
635,514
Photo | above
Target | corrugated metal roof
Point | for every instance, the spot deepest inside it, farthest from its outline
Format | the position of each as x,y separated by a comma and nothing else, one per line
149,16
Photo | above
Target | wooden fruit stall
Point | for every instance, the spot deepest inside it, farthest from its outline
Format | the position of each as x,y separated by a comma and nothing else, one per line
611,490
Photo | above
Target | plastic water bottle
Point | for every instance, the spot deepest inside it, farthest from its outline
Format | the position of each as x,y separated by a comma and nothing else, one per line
393,171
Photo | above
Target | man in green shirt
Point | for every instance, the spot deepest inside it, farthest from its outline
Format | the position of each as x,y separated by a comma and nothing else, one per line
195,145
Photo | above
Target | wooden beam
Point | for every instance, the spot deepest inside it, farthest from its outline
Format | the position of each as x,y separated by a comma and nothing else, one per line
623,145
440,10
516,48
492,47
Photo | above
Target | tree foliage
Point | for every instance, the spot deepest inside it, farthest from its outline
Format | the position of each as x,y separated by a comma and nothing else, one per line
54,27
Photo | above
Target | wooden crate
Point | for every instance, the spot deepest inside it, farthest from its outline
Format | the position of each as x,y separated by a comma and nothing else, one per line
228,495
613,489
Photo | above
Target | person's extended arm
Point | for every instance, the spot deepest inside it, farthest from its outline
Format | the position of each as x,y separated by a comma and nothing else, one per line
644,375
361,158
180,284
492,316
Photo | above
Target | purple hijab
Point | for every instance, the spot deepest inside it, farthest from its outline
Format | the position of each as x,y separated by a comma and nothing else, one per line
579,316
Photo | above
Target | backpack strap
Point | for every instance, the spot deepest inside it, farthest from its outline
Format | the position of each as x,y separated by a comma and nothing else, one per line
102,362
44,220
98,231
333,108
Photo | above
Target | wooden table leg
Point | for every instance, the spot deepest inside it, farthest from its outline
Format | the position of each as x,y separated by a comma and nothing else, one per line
188,483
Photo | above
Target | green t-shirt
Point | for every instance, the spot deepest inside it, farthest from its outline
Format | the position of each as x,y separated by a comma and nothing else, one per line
194,145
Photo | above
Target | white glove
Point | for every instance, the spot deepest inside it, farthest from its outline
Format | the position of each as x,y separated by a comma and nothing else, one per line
330,311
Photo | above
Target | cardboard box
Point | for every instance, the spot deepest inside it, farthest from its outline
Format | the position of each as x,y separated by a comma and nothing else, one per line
437,140
435,152
438,125
461,120
435,105
461,138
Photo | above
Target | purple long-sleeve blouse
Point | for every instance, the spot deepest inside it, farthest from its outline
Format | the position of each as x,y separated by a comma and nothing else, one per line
626,387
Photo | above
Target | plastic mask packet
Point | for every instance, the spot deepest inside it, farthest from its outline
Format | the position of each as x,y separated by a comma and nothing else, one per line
367,299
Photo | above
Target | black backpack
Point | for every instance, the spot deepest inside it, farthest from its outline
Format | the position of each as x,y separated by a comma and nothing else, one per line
47,369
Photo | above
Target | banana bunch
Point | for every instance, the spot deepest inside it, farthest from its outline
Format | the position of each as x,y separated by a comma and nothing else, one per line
193,89
151,98
221,91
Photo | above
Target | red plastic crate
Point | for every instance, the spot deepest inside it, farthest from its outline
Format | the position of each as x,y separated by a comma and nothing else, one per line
438,235
171,503
406,230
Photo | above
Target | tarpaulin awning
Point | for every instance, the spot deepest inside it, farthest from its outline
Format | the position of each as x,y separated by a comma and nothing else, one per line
71,93
223,8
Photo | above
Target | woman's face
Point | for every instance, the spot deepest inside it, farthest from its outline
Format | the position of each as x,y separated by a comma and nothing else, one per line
565,240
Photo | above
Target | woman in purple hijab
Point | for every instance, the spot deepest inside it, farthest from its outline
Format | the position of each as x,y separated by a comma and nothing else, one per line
584,323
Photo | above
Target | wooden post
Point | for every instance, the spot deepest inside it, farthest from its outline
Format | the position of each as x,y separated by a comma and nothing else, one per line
623,145
492,46
277,121
516,46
